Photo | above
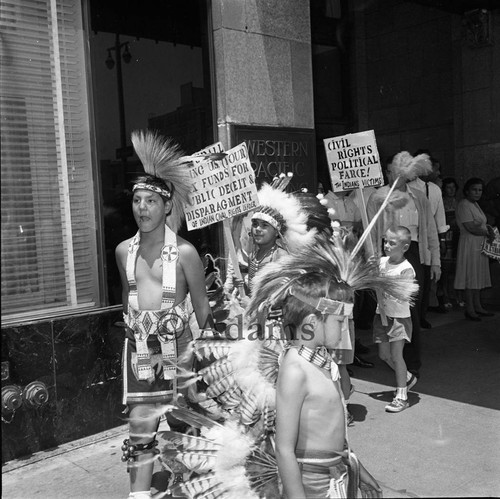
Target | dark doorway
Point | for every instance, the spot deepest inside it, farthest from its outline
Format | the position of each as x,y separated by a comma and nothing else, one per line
150,70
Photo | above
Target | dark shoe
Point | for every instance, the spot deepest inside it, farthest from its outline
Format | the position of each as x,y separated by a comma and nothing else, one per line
415,372
411,382
425,324
360,348
470,317
358,361
485,314
441,309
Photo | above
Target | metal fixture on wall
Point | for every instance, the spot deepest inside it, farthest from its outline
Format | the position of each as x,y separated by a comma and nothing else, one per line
33,396
476,26
118,47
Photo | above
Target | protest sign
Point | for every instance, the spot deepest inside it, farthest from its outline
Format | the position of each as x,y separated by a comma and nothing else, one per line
353,161
222,189
214,148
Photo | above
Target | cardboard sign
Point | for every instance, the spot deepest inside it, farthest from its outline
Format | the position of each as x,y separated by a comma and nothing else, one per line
222,189
217,147
353,161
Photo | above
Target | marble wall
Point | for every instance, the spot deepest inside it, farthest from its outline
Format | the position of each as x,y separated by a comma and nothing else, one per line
263,65
420,85
78,359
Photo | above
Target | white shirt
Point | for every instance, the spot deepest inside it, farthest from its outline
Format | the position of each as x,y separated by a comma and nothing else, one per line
346,206
435,197
392,306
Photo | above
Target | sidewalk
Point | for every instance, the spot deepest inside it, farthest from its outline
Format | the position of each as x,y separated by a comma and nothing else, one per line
447,444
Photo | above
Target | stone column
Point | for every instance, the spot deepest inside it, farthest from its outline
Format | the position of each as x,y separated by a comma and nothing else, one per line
263,70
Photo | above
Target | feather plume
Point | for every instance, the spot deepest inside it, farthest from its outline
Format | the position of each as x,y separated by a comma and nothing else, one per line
185,442
405,165
192,418
162,157
235,445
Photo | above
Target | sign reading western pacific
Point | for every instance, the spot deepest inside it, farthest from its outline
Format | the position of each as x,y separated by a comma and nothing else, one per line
222,189
353,161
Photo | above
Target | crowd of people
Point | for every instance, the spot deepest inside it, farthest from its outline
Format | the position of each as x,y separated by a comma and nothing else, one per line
312,275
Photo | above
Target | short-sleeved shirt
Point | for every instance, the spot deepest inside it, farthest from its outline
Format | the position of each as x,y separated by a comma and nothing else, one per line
392,306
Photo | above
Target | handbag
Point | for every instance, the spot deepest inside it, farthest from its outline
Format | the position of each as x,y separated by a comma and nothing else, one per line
492,248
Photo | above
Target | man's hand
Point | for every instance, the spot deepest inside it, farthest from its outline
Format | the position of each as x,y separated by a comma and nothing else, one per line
435,272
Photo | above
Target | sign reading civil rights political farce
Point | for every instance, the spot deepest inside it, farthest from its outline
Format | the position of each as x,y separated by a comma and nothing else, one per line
353,159
222,189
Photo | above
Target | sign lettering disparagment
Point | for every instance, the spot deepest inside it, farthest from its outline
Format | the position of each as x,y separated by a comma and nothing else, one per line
353,159
222,189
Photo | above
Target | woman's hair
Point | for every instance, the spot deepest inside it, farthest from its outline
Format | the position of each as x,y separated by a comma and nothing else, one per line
449,181
472,181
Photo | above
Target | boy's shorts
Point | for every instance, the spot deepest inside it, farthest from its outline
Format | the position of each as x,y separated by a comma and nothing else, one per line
398,328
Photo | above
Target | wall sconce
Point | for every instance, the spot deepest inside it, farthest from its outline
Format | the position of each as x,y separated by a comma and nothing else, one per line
476,26
110,62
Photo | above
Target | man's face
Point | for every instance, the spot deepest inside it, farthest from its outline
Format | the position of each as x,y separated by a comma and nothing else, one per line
391,176
263,233
149,210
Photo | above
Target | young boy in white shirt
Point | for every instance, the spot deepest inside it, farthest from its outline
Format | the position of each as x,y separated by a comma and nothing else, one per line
391,338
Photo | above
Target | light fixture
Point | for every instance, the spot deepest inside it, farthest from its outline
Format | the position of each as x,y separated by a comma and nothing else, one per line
127,56
110,62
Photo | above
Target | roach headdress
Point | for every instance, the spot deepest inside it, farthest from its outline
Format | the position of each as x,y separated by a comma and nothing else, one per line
334,266
167,172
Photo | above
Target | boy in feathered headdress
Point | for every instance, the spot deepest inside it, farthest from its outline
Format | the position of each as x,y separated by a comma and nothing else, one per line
277,226
158,270
316,290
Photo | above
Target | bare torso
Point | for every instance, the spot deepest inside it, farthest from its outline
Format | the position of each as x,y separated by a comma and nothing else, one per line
148,272
322,423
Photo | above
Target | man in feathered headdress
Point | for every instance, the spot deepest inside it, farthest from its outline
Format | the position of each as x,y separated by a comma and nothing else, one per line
158,269
409,208
316,290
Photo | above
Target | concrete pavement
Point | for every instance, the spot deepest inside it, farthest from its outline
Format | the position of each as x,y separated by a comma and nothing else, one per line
447,444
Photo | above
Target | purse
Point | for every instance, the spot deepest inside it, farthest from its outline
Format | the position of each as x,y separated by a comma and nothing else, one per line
492,249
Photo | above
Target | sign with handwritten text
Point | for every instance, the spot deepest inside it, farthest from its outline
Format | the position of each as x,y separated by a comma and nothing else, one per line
353,160
222,189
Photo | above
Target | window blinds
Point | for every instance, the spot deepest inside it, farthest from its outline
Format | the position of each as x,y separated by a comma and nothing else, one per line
49,261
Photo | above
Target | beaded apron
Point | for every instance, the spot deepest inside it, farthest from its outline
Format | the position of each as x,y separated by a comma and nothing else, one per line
150,355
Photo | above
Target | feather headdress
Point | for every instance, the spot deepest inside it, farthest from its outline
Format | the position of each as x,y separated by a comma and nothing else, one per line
332,264
167,171
283,212
408,167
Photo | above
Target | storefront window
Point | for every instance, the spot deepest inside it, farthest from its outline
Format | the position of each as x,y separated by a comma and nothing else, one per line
49,251
150,70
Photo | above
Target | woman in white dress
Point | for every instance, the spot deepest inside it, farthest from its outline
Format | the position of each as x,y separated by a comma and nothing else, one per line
473,271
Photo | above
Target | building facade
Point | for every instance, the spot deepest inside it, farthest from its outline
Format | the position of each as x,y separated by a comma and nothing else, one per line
78,76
